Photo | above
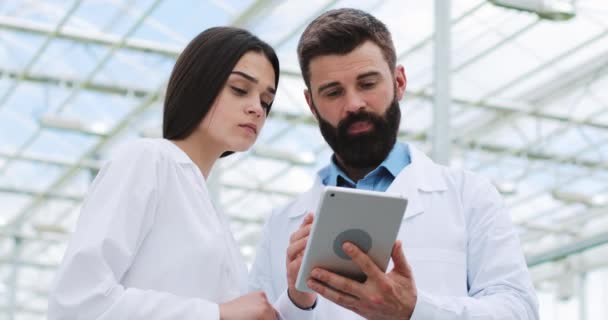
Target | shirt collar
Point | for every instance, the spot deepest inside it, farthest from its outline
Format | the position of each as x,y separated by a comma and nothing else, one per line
397,159
421,174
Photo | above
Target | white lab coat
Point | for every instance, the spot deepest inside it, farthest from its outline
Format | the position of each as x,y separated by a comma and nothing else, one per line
148,244
457,236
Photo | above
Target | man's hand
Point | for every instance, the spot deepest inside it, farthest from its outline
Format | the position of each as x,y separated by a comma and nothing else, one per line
295,252
382,296
251,306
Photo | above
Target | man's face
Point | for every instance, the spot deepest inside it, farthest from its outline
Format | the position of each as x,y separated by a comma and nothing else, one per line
355,99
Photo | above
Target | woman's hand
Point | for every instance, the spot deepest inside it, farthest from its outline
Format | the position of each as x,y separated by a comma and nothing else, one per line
252,306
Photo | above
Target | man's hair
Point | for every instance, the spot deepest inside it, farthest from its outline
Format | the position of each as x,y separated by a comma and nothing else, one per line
340,31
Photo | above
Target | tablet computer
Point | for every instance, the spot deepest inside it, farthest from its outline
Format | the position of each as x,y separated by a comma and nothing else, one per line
368,219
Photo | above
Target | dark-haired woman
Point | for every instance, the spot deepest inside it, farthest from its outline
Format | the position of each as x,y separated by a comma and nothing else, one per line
149,243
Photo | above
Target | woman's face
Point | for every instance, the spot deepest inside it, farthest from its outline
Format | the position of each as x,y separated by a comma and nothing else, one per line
239,111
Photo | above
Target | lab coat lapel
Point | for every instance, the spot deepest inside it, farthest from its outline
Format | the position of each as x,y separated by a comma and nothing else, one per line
421,175
405,185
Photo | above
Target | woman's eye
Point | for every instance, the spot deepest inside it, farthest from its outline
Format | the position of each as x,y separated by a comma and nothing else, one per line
239,91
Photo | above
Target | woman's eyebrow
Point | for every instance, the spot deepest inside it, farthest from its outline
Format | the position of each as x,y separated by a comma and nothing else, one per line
253,79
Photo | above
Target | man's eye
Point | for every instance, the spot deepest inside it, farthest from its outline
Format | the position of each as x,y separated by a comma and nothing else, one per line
333,93
367,85
238,91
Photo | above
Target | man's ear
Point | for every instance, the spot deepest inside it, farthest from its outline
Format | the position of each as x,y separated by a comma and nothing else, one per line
400,81
311,106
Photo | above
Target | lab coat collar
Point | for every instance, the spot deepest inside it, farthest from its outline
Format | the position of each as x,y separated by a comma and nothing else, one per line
424,174
421,175
177,153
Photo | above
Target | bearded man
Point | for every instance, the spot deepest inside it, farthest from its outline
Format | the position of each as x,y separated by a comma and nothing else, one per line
457,255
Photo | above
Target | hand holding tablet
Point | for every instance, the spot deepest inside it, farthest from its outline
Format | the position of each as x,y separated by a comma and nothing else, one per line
368,219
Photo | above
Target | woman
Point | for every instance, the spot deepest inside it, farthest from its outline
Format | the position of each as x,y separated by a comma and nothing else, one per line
149,244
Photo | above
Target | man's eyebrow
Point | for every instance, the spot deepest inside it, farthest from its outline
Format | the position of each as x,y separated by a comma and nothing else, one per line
368,74
327,85
254,80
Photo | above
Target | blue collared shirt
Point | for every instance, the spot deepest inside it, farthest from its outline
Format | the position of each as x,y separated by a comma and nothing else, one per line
378,179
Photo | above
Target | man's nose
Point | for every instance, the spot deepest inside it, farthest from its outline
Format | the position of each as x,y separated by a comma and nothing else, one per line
354,102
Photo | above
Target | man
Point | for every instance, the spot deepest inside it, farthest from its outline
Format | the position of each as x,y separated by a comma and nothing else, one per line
457,254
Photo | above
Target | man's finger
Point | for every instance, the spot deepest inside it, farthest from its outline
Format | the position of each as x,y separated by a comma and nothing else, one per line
293,267
276,314
333,295
364,262
302,232
340,283
307,219
399,260
295,248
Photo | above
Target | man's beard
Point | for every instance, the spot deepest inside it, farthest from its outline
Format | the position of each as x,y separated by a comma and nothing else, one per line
368,149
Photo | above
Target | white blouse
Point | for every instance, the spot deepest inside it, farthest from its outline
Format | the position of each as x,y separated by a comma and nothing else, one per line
148,244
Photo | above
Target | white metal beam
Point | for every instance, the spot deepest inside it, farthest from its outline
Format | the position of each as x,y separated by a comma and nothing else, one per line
86,164
35,194
565,82
13,278
72,83
547,64
441,107
568,249
98,38
254,12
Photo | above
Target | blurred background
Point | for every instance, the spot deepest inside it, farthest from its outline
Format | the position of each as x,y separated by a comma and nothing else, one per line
516,90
